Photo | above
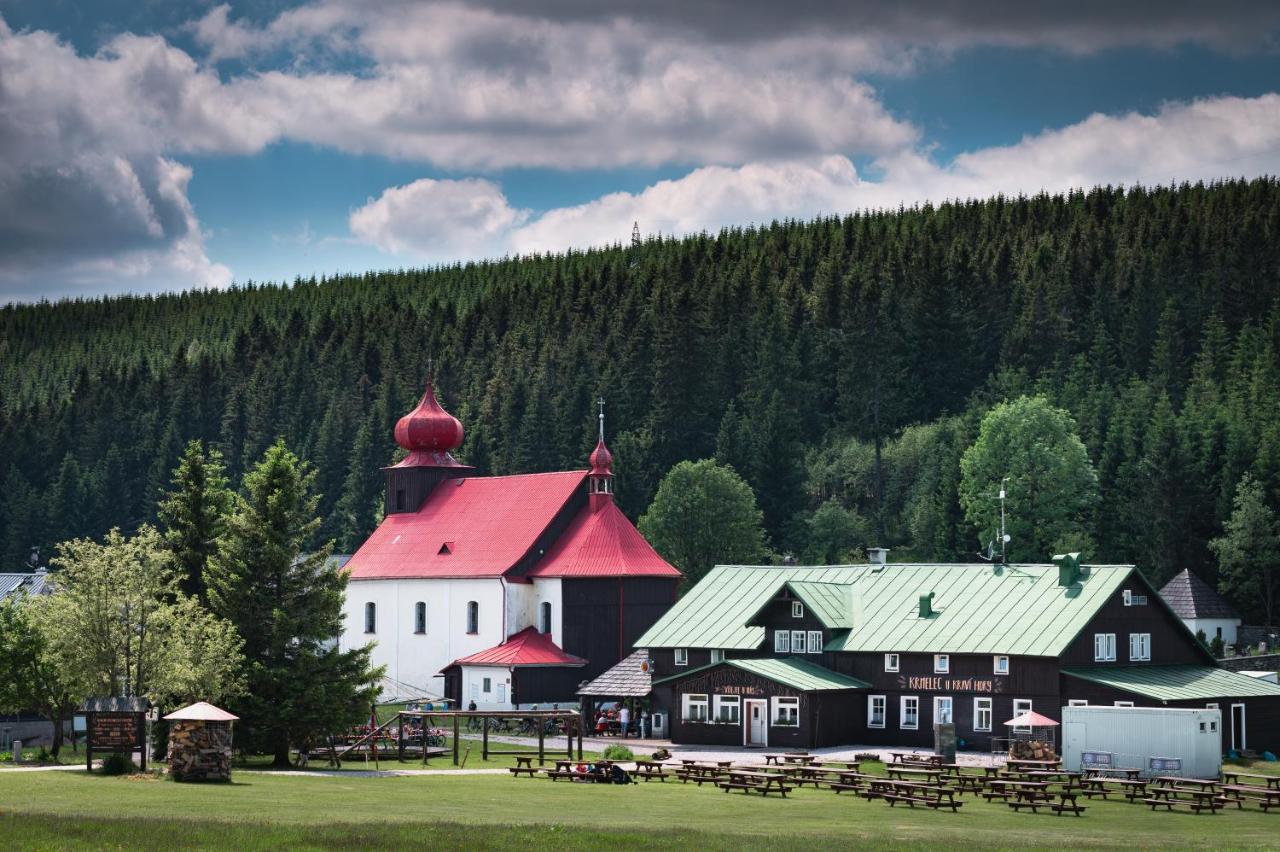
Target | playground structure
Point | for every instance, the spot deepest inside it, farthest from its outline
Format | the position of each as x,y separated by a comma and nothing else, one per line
410,731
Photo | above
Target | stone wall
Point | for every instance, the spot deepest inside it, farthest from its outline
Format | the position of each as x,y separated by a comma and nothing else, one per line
200,751
1260,663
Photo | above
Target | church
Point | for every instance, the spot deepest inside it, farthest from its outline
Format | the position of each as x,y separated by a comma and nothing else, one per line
508,591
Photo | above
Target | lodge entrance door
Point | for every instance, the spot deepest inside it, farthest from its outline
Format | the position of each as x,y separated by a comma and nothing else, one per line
1237,727
757,730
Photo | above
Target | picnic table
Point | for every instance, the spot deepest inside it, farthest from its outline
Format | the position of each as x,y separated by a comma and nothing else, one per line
1266,797
703,773
524,766
1179,781
915,757
913,794
747,780
650,769
779,758
1096,785
1033,764
1194,799
1005,788
1060,802
910,773
1129,773
1271,781
968,783
1070,780
855,765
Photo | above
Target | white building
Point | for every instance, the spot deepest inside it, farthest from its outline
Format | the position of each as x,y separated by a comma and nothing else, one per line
463,565
1201,608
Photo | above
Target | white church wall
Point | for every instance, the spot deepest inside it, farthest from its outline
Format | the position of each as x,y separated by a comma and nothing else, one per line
1211,626
412,658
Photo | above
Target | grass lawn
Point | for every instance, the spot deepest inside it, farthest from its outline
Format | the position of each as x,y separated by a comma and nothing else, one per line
72,809
555,750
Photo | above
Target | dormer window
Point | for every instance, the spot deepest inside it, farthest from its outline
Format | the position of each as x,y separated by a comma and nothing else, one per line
891,662
941,663
797,609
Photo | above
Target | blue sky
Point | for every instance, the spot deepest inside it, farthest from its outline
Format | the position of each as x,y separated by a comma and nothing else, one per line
153,146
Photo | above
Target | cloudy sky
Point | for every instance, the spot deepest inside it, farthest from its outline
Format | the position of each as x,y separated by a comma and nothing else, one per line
150,145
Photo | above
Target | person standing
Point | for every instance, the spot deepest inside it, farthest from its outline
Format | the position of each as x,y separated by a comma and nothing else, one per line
624,719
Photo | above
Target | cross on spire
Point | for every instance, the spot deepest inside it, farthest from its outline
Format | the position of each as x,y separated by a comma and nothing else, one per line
600,402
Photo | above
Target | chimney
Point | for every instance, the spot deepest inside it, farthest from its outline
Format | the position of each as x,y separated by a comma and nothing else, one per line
926,605
878,555
1068,568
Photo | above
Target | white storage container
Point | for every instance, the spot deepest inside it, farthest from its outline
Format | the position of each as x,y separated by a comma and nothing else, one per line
1133,736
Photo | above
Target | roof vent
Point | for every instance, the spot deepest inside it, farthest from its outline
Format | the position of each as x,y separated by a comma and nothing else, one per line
445,549
926,605
1068,568
878,555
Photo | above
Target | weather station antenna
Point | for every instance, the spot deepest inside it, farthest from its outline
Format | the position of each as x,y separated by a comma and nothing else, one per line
635,245
1003,538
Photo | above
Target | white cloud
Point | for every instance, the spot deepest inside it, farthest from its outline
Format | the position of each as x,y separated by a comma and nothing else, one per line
1204,139
438,218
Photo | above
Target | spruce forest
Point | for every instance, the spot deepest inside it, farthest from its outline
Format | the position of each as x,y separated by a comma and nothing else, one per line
837,364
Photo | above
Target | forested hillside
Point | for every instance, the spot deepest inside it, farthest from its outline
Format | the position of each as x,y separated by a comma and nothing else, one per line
786,351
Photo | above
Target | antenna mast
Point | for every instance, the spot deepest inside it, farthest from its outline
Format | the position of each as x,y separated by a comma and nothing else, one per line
601,403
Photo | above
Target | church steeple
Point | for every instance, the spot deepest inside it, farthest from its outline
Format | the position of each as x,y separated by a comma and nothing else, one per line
600,477
429,434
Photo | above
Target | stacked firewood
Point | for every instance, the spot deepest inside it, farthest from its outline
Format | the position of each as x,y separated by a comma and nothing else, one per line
200,751
1031,750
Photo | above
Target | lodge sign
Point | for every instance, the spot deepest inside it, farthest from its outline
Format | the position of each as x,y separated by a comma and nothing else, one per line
947,684
113,731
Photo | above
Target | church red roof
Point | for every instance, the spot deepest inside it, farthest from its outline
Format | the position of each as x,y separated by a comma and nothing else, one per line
602,543
526,648
489,524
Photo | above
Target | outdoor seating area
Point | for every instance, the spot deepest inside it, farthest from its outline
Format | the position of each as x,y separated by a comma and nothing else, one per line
914,779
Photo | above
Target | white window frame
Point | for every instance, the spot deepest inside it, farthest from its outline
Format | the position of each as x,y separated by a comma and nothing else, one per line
724,702
1123,704
1020,706
995,664
902,712
797,641
776,705
951,712
942,664
1077,702
872,700
475,690
797,609
486,685
473,617
782,641
891,662
681,656
1104,647
502,692
1128,598
420,618
980,706
815,641
717,655
691,700
370,617
1139,647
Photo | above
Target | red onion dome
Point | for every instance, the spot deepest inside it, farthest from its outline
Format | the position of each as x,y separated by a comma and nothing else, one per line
601,460
429,428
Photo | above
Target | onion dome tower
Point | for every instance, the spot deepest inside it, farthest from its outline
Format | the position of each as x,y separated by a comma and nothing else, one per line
600,477
429,434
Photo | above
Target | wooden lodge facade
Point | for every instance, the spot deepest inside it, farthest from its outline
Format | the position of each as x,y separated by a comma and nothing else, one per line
877,654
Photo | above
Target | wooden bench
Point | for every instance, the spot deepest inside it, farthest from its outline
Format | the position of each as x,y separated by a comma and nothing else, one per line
1192,799
1266,797
1067,804
701,773
968,783
524,766
933,776
650,769
913,794
919,758
1269,781
762,782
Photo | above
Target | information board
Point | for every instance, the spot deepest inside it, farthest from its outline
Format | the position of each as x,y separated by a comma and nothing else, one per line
110,731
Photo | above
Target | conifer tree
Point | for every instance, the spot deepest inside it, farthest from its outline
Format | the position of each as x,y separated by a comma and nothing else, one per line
193,515
1249,553
284,596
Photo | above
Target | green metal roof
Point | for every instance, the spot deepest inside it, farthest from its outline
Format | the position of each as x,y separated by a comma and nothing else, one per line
978,608
797,673
831,603
1177,683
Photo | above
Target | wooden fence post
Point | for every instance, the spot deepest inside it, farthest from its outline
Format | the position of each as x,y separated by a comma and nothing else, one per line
484,725
455,740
